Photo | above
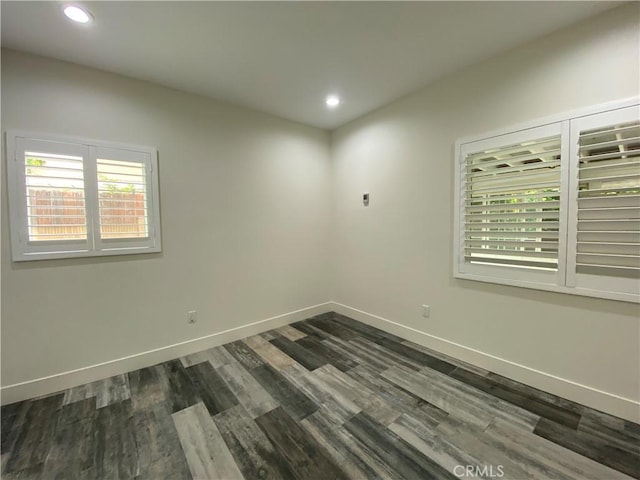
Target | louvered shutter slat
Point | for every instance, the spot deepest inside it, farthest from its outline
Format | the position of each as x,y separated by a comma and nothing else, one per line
608,247
608,225
484,243
518,149
511,261
515,226
585,146
608,236
614,155
609,259
628,130
617,201
512,199
511,209
508,235
550,159
585,178
516,188
613,213
621,161
498,217
523,251
514,178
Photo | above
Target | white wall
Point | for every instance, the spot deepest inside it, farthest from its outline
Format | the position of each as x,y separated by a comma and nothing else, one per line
244,222
395,255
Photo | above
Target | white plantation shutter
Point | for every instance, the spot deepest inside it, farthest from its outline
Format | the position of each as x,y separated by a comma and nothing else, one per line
54,189
554,207
126,201
48,201
605,228
609,199
510,204
122,194
75,197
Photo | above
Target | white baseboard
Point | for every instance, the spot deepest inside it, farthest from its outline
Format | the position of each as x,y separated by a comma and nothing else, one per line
80,376
592,397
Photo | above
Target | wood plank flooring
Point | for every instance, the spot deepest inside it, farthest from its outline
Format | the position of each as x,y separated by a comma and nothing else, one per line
326,398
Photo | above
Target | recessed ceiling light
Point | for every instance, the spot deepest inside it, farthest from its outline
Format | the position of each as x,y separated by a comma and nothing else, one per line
332,101
77,14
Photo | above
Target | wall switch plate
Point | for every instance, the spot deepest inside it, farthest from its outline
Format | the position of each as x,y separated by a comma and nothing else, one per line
426,311
192,316
365,199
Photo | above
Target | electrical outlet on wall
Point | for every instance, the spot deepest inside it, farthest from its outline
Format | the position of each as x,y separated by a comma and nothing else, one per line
426,311
192,316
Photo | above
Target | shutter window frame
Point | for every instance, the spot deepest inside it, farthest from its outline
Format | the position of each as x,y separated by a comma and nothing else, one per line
26,246
613,205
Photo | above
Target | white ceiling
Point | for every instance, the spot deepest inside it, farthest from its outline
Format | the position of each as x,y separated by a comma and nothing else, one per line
285,57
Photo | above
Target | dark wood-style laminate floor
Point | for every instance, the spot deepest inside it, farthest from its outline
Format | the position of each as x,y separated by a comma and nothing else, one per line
326,398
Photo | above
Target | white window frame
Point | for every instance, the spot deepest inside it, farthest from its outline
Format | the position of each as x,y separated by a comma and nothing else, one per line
90,150
564,280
